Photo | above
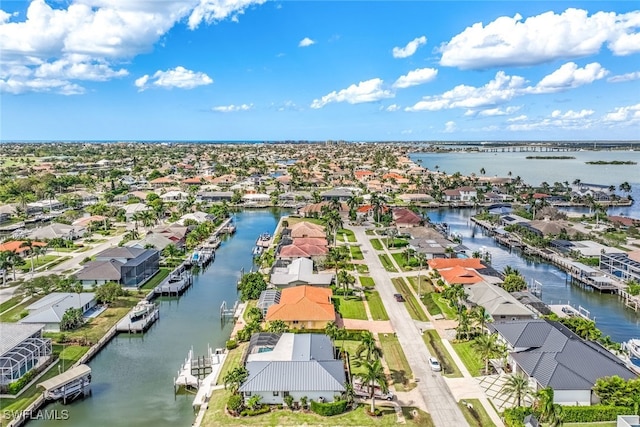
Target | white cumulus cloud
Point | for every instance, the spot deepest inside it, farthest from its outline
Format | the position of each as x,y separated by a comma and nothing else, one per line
410,48
178,77
367,91
393,107
232,108
416,77
629,114
570,76
92,35
450,127
512,41
501,89
306,42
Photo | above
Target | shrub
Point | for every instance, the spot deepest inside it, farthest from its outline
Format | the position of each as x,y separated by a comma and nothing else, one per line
514,417
330,408
18,385
593,414
252,412
288,400
235,403
231,344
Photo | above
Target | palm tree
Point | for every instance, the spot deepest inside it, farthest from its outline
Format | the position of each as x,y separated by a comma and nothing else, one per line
28,243
487,348
510,270
368,346
234,378
549,412
171,251
377,204
333,222
39,250
5,263
517,386
373,374
480,315
464,324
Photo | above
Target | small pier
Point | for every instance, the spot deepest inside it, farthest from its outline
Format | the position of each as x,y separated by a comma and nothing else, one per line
176,284
228,227
68,386
567,310
196,368
139,319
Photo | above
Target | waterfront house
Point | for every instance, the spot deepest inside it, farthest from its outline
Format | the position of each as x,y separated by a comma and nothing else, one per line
6,212
299,272
50,309
624,266
461,194
85,198
163,181
513,219
305,307
174,196
131,267
498,303
404,218
552,356
295,365
214,196
22,348
340,193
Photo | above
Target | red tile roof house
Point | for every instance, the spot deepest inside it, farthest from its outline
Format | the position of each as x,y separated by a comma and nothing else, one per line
16,247
303,307
406,218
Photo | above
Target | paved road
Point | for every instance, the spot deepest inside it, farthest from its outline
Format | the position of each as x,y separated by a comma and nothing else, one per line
434,391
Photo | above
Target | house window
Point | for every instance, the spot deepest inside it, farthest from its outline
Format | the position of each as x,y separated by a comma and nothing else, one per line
295,322
275,393
285,393
247,393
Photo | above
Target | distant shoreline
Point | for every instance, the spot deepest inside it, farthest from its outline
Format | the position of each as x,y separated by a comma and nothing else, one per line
612,162
550,157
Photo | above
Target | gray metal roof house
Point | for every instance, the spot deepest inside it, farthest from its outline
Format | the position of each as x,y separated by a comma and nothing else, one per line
128,266
50,309
297,365
299,272
22,348
553,356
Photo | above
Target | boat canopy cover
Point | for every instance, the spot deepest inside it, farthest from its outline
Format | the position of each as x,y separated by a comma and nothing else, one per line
66,377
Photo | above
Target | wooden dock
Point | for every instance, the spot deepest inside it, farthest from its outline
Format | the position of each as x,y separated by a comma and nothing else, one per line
69,385
176,284
139,319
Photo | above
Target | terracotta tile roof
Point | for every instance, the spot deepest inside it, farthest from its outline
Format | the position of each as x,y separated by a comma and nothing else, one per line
303,303
460,275
194,181
406,216
304,251
307,229
316,241
14,246
438,263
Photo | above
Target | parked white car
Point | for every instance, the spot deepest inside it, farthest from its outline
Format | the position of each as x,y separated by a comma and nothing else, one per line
434,364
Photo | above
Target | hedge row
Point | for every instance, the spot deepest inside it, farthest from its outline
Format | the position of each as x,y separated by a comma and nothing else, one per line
330,408
513,417
251,412
18,385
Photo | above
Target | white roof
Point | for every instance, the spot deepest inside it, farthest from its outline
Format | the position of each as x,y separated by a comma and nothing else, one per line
301,269
51,308
14,333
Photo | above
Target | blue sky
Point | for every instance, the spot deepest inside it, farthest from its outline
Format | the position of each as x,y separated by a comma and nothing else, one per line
306,70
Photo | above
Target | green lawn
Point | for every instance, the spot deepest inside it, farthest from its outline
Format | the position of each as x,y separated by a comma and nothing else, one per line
397,362
429,303
417,417
376,307
216,416
91,332
470,358
233,359
350,307
367,282
15,300
395,243
14,314
434,344
401,260
425,284
370,232
350,347
67,357
387,264
414,309
376,244
600,424
447,311
476,416
42,260
356,253
250,304
362,268
343,232
156,279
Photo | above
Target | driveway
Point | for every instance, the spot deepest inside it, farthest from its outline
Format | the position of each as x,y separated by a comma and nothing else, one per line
432,388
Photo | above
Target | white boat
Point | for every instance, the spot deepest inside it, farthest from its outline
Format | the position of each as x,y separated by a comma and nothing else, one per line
633,347
257,250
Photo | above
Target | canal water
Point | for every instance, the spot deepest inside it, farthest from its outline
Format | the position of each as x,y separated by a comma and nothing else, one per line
133,376
609,312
